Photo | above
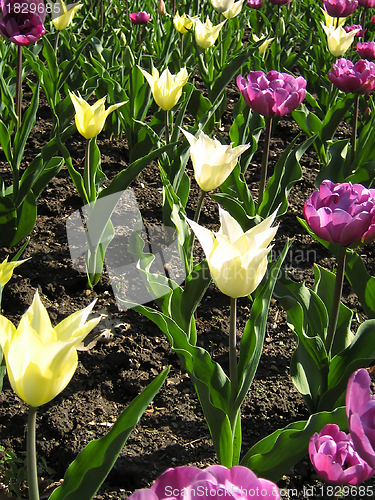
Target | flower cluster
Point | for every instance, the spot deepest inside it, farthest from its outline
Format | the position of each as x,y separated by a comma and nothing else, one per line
349,77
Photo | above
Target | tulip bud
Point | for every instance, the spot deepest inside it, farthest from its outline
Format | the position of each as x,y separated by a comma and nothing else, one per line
161,8
129,61
280,28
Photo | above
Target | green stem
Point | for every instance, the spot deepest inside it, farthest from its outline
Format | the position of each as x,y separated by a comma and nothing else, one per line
57,42
19,85
336,300
266,149
32,473
353,140
233,351
167,127
196,218
102,14
87,181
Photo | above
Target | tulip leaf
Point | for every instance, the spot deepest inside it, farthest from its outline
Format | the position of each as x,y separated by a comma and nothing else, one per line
26,219
230,70
338,158
6,142
8,220
50,170
198,106
275,454
88,471
50,56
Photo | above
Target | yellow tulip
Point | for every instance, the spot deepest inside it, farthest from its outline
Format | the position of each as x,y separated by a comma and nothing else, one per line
338,39
222,5
183,23
62,14
332,21
234,10
237,260
206,34
6,270
41,359
212,161
90,119
166,88
264,46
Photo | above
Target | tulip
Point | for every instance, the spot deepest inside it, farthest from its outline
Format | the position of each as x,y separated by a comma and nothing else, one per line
222,5
212,161
215,481
340,8
332,21
334,458
234,10
161,8
338,39
360,411
349,77
237,260
139,17
183,23
368,4
359,31
366,50
166,88
19,26
342,213
255,4
62,15
274,94
280,2
264,46
206,34
41,359
90,119
6,270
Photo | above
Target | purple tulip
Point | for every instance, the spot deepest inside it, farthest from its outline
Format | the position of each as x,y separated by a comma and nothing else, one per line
342,213
366,50
22,22
139,17
334,458
255,4
360,410
353,27
340,8
280,2
214,481
368,4
349,77
274,94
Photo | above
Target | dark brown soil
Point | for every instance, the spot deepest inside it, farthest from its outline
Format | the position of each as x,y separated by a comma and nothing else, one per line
131,351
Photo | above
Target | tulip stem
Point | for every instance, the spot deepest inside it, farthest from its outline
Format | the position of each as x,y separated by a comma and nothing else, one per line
57,42
233,351
266,149
19,85
364,24
32,473
354,133
167,127
336,300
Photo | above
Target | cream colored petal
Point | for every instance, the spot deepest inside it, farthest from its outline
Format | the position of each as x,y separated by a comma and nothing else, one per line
6,270
223,251
150,78
229,226
190,137
113,107
7,332
66,328
37,318
205,236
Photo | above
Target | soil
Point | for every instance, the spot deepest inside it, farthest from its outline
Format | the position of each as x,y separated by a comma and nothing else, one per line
130,351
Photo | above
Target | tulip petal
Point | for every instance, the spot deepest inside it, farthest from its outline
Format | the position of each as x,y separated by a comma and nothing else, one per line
66,329
229,226
37,318
205,236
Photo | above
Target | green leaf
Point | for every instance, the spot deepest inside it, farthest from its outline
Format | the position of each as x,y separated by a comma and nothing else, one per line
230,70
50,170
50,56
26,219
274,455
5,142
77,53
88,471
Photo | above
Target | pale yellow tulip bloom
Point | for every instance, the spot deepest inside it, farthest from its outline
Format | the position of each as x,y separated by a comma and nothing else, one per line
332,21
234,10
264,46
222,5
41,359
6,270
166,88
237,260
338,39
206,34
90,120
183,23
62,14
212,161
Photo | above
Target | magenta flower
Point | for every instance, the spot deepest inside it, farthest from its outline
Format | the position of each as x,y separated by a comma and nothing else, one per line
274,94
349,77
360,410
342,213
334,458
353,27
280,2
214,481
340,8
139,17
368,4
366,50
22,22
255,4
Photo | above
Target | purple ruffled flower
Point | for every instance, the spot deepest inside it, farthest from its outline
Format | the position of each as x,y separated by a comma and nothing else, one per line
340,8
255,4
139,17
22,22
368,4
366,50
349,77
353,27
272,94
187,483
334,458
360,410
342,213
